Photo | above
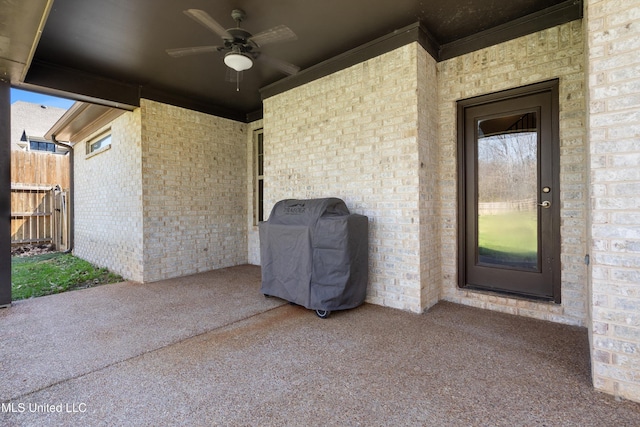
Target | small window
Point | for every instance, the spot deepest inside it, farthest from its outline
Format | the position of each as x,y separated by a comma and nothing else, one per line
99,143
258,170
42,146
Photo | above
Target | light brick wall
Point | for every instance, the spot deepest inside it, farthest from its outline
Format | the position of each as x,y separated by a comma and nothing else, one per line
194,185
553,53
353,135
168,199
613,40
108,201
429,173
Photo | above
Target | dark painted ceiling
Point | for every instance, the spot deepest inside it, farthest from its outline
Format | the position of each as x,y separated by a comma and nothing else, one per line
115,49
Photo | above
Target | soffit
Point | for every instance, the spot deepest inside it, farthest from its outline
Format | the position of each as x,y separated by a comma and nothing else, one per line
81,121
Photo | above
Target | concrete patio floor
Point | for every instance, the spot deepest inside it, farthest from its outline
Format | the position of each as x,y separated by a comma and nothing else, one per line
209,349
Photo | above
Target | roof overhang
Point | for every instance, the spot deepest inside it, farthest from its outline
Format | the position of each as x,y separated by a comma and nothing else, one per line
19,38
81,121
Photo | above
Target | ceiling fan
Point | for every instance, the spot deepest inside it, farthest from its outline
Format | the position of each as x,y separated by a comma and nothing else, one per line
242,47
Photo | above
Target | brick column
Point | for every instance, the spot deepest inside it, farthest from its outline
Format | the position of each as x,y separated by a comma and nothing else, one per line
613,64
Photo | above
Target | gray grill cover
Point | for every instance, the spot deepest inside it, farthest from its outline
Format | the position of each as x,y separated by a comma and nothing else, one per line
315,253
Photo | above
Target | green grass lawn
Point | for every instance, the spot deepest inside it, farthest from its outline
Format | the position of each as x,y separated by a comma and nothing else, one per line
53,273
511,237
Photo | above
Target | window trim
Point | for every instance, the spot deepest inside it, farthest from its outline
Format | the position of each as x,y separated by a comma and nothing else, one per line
258,178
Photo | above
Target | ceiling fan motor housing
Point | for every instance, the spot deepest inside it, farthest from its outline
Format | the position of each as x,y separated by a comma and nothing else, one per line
240,37
238,15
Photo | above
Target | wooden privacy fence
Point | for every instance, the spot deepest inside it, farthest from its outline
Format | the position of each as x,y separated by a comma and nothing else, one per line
32,167
40,214
40,199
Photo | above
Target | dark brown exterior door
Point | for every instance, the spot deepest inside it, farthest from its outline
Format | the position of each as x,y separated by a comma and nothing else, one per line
509,212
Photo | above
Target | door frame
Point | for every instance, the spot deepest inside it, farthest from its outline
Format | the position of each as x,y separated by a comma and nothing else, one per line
554,263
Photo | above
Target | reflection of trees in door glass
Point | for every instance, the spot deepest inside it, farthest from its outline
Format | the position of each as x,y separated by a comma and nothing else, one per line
507,189
507,167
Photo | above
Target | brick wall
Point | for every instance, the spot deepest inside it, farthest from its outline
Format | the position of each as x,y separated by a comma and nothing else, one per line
429,173
194,184
613,40
167,199
353,135
108,201
382,136
553,53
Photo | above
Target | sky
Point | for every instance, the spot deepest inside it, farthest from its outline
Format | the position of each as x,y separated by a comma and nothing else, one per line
36,98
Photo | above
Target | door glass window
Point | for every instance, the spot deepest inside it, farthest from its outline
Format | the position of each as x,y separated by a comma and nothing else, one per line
507,177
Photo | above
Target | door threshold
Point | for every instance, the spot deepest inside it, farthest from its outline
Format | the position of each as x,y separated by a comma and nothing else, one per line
505,294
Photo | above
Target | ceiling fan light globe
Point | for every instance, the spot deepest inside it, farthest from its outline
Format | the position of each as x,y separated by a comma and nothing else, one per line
238,61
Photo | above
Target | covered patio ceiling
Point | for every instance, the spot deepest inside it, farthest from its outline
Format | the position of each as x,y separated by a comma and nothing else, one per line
114,51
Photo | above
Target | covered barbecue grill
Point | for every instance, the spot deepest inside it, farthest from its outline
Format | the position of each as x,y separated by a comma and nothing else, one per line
314,253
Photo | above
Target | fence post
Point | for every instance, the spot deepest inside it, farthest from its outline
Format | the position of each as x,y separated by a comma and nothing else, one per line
60,219
64,219
55,218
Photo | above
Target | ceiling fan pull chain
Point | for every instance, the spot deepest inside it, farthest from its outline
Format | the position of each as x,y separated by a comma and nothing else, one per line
237,81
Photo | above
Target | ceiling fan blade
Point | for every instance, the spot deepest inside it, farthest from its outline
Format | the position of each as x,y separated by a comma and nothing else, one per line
185,51
277,34
205,19
281,65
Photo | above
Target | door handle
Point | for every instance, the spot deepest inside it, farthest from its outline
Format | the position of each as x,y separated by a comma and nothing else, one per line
546,204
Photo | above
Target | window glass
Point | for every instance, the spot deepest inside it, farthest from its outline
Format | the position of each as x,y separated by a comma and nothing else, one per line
507,168
42,146
103,142
99,143
258,199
